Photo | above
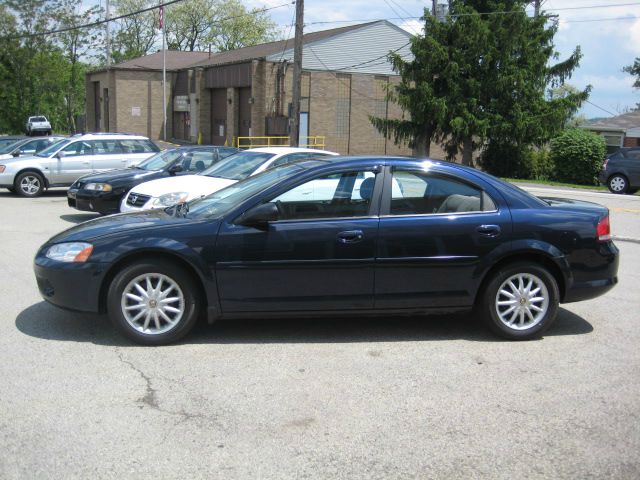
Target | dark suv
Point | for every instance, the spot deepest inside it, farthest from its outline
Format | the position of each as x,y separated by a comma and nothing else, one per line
621,170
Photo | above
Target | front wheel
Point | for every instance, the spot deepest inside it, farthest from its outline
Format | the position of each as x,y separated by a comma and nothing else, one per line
520,301
153,302
29,184
618,184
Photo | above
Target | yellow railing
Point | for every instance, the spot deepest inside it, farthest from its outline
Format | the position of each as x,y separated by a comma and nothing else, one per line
317,141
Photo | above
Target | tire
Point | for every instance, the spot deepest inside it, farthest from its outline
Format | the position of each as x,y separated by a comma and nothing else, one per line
29,184
131,322
618,184
517,324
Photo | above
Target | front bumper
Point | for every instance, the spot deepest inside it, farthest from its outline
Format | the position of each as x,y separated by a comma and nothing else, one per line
74,286
94,201
7,179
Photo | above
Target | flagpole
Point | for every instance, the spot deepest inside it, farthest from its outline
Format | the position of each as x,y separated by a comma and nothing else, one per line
164,76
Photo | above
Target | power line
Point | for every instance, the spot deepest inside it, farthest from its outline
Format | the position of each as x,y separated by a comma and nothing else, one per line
603,109
131,14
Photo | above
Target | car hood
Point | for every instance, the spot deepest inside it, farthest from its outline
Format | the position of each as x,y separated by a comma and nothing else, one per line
4,156
195,185
119,223
125,175
28,158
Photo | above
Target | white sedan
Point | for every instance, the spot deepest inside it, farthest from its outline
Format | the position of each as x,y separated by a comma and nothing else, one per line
166,192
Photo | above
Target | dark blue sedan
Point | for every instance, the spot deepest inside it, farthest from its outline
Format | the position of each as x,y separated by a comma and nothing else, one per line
335,236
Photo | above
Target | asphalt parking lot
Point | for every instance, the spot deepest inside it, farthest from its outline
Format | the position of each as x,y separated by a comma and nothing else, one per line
383,398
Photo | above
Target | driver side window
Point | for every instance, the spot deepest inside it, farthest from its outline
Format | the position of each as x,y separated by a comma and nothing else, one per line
346,194
77,148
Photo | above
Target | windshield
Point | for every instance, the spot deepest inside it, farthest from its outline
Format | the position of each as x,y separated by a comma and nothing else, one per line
161,160
238,166
53,148
224,200
6,147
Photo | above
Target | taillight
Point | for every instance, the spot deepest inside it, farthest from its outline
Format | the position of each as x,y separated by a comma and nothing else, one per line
603,230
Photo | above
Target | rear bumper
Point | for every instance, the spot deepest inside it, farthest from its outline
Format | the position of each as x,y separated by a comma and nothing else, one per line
595,278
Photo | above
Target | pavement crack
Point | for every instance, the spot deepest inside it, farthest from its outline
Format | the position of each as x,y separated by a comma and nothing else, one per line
150,397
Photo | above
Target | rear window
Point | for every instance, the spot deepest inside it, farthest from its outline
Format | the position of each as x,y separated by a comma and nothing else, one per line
138,146
38,119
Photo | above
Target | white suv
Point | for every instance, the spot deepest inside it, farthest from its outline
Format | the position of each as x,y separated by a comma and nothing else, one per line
67,160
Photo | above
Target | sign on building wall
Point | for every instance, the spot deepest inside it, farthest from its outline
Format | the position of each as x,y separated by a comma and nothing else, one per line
181,103
136,111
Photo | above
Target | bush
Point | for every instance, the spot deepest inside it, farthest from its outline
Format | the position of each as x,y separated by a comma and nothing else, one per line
542,165
578,156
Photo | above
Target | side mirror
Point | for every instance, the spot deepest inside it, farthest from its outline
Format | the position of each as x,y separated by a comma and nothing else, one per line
260,216
177,168
16,153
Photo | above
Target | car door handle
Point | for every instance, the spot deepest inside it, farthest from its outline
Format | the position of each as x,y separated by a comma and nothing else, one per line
351,236
488,230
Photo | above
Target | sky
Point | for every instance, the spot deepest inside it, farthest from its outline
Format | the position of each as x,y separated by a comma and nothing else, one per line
607,31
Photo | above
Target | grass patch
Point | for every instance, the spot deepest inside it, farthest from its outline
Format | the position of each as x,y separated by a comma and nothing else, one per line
556,184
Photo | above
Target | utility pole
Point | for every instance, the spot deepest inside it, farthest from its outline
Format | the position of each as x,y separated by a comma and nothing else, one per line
106,37
536,7
294,121
434,8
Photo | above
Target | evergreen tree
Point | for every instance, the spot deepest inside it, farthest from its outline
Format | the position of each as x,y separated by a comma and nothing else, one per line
481,79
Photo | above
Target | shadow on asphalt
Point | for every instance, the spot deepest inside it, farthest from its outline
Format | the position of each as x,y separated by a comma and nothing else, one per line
79,217
45,321
47,193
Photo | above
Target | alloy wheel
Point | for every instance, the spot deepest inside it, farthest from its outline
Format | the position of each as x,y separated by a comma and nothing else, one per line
522,301
30,185
152,303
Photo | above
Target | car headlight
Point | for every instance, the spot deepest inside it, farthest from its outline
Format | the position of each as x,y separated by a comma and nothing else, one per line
169,199
100,187
1,168
70,252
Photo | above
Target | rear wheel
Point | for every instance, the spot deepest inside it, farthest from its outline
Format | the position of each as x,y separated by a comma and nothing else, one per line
29,184
618,184
153,302
520,301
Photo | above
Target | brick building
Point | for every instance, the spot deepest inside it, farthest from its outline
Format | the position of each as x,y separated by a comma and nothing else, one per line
247,92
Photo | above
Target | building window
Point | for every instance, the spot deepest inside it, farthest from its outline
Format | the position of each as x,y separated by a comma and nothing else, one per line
613,141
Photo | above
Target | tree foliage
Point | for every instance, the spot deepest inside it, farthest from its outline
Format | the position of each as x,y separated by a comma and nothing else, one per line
635,71
219,24
137,35
482,80
43,74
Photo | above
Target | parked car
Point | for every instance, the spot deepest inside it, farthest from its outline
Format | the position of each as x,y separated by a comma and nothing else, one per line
27,146
165,192
448,238
64,162
6,140
38,125
103,192
621,171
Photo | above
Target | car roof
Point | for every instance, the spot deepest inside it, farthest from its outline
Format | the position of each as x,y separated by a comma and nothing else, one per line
283,150
108,136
